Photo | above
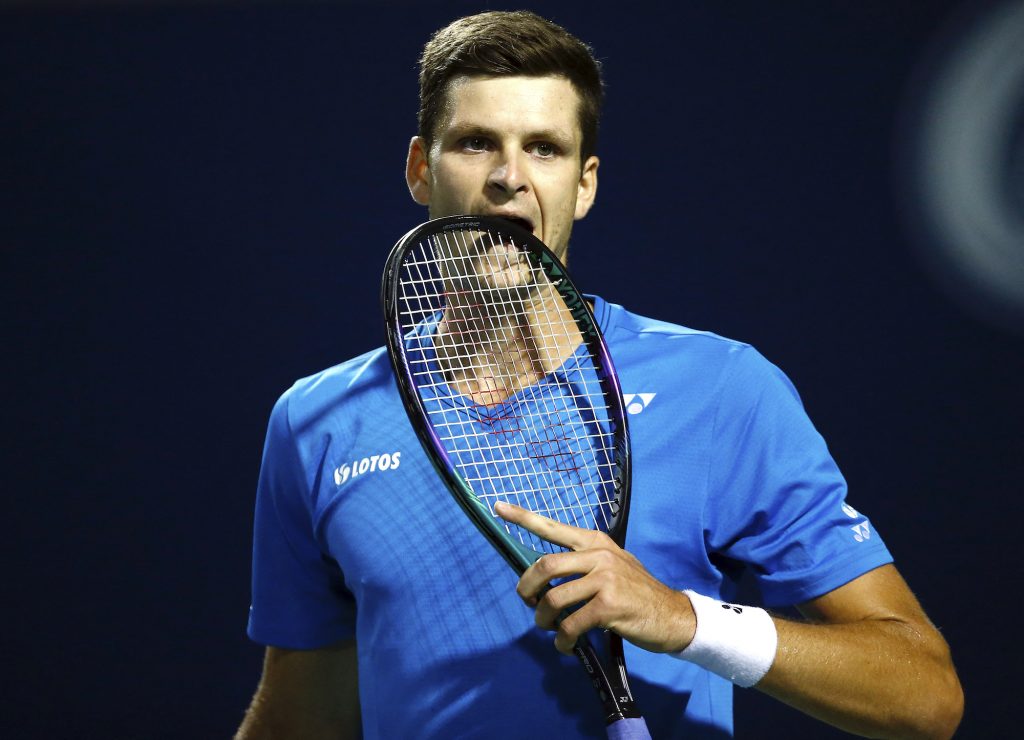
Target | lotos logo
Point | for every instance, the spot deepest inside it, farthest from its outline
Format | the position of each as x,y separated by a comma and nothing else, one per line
386,461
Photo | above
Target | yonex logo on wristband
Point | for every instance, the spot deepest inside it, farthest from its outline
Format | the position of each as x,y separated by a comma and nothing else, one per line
737,643
371,464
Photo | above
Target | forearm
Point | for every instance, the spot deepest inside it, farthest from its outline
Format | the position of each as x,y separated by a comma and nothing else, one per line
268,719
304,694
868,660
260,722
877,677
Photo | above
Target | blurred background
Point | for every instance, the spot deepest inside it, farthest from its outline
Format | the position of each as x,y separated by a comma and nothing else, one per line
196,199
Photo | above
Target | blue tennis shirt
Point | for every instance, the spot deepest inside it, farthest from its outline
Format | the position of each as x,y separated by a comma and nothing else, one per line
356,537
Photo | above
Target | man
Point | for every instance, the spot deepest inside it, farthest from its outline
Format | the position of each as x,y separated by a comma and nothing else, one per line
363,565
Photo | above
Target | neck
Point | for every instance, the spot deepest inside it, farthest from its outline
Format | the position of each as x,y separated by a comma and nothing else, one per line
491,352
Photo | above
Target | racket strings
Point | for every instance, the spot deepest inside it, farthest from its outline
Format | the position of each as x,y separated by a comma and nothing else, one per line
542,476
474,307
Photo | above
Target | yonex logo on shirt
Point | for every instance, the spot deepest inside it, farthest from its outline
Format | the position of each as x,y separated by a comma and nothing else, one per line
373,463
637,402
861,532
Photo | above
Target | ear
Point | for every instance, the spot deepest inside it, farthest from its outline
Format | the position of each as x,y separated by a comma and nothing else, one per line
417,171
587,189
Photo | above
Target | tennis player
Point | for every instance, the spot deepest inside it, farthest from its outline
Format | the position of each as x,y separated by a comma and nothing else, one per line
386,616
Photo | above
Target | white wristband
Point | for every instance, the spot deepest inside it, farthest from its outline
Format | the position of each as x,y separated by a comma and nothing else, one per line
735,642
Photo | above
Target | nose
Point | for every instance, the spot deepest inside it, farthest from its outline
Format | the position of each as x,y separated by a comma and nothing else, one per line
508,175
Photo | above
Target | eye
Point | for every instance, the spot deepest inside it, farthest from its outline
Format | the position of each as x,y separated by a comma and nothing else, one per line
544,149
475,144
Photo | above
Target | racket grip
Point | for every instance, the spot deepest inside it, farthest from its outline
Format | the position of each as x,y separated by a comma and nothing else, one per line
633,728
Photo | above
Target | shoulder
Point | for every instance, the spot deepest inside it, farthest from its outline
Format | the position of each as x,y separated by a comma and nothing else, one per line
623,326
690,354
320,395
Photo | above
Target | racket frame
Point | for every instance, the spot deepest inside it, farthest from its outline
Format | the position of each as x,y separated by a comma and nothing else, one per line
613,689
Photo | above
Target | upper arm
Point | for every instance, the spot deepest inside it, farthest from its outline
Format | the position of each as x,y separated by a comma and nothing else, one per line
873,663
306,694
881,595
878,594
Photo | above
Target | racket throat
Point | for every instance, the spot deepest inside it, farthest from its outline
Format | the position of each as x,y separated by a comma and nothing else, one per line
612,690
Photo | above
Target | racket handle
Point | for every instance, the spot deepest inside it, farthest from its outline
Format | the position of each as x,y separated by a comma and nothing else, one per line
633,728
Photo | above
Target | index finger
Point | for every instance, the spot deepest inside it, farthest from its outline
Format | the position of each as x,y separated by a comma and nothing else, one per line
555,532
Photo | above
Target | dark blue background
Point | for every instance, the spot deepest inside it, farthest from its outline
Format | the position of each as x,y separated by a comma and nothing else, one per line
196,205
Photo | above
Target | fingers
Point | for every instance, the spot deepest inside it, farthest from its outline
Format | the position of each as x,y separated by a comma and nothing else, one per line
565,535
657,619
575,626
560,565
612,589
551,612
562,597
595,593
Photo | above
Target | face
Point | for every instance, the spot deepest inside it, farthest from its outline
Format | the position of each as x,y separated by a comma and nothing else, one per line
509,147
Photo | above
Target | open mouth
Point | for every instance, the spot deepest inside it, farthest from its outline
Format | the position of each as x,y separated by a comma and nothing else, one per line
520,222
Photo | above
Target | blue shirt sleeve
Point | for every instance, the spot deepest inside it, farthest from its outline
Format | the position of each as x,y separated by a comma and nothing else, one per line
299,599
777,499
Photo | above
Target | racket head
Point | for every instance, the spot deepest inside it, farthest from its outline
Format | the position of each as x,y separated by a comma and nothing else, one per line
507,380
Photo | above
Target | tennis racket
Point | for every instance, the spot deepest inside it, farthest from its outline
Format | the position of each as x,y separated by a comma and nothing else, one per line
507,380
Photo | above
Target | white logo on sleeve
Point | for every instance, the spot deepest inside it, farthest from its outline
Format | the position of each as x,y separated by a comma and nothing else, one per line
861,532
637,402
371,464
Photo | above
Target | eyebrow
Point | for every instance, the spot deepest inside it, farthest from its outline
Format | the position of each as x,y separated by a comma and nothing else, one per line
555,135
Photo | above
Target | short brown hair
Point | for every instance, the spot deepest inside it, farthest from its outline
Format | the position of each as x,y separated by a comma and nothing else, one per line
506,43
